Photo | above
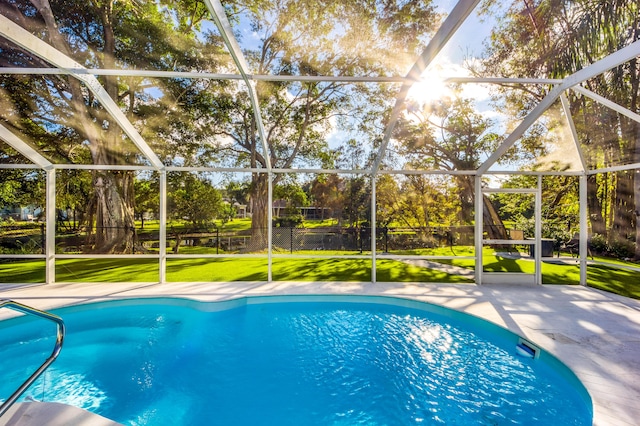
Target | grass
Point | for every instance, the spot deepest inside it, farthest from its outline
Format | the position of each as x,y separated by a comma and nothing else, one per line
395,271
623,282
220,269
217,269
327,223
322,269
552,273
619,281
438,251
23,271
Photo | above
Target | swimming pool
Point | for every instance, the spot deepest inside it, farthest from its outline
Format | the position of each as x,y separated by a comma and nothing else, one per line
291,360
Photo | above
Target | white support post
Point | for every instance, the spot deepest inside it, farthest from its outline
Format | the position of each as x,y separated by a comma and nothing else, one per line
373,229
270,228
538,232
163,227
584,232
478,229
50,236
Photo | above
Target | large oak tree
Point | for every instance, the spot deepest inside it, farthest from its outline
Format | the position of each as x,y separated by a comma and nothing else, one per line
555,38
61,117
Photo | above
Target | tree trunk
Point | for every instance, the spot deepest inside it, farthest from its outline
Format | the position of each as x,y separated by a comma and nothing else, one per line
260,212
113,207
635,182
492,222
113,201
594,207
467,199
636,197
623,207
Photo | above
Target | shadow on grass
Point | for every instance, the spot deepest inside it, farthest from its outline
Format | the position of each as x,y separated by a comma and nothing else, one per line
502,264
623,282
217,269
619,281
22,271
322,269
396,271
221,269
107,270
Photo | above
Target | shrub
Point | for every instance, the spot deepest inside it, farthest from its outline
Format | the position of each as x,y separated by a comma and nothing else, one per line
288,221
599,244
622,249
8,221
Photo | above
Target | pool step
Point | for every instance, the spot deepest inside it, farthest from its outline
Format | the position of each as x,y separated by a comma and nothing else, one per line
51,414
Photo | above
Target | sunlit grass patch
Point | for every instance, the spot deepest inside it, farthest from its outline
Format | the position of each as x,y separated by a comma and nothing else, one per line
22,271
108,270
218,269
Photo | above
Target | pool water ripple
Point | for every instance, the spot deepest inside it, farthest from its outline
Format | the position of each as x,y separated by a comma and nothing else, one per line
290,362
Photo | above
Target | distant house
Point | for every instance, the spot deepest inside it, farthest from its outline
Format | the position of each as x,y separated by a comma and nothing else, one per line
241,210
26,213
279,207
312,212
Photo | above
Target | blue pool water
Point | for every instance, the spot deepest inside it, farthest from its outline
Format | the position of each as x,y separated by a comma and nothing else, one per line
313,360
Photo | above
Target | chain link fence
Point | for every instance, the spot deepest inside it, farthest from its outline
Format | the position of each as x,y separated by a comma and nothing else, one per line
284,240
28,238
359,239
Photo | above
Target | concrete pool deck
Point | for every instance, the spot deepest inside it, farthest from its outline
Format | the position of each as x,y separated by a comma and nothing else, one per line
597,334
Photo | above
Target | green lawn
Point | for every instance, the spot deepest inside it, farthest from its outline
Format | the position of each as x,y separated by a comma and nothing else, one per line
22,271
220,269
395,271
624,282
327,223
620,281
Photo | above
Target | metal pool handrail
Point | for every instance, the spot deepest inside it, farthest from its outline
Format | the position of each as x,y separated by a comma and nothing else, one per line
54,354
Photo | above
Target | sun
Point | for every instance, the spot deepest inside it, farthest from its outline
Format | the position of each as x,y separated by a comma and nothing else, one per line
431,87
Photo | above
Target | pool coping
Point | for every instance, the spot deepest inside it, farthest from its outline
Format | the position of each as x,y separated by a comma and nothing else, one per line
597,334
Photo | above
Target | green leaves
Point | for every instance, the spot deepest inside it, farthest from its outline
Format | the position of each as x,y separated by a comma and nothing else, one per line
194,198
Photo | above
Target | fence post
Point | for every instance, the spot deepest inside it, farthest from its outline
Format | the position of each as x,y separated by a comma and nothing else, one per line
42,238
217,240
386,239
291,240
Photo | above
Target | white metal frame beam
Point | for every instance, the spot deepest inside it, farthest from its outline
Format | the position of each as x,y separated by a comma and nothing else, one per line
272,77
574,134
478,228
619,57
50,230
454,20
621,168
220,18
606,102
25,149
204,75
43,50
500,80
584,233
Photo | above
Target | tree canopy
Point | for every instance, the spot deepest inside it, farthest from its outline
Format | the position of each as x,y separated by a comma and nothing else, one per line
555,38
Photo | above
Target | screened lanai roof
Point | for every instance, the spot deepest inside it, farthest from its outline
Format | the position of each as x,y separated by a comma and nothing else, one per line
182,80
